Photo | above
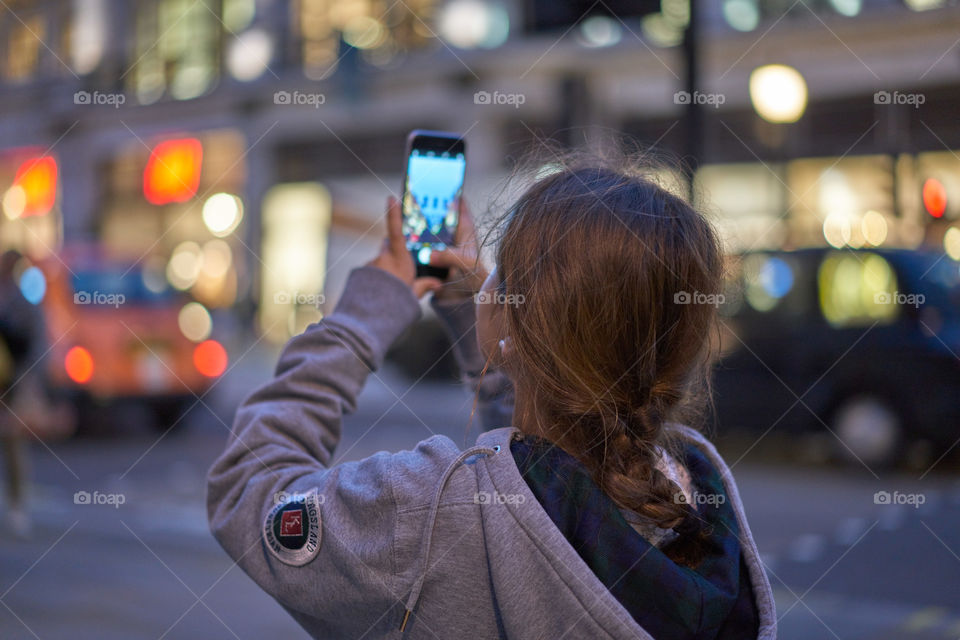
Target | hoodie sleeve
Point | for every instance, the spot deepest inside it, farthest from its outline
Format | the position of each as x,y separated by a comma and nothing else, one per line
493,388
316,537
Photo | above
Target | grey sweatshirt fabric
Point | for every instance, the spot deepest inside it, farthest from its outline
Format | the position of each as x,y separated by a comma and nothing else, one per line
451,541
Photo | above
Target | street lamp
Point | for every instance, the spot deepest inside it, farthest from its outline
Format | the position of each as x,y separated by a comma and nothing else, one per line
779,96
778,93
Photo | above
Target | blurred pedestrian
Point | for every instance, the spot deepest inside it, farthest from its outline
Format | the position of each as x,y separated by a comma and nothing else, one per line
22,343
595,514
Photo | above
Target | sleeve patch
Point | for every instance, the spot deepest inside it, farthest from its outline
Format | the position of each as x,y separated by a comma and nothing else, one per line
292,528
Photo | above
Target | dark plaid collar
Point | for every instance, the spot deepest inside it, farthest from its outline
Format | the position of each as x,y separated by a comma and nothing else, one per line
710,601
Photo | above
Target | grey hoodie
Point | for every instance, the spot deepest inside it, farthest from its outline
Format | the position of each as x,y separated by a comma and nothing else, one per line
409,539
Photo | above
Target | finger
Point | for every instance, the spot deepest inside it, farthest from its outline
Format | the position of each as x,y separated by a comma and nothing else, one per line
455,258
395,226
422,285
466,232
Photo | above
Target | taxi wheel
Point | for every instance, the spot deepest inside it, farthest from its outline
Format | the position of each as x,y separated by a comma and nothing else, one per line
869,430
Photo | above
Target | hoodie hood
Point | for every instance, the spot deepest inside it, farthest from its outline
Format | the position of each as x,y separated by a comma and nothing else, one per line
587,573
667,599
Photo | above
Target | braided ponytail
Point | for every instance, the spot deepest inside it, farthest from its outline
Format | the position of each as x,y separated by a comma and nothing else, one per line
602,347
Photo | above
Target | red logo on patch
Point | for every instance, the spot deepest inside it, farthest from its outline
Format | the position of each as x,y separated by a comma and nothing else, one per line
291,523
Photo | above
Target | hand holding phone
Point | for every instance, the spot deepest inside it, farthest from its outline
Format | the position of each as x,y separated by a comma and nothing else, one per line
395,259
432,191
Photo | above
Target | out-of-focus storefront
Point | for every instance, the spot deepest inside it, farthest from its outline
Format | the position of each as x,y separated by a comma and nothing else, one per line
294,237
29,187
907,201
174,204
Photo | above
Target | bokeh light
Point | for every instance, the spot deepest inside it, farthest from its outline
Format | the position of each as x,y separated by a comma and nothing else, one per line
14,202
837,230
951,243
210,358
216,260
469,24
172,173
249,54
778,93
600,31
195,322
742,15
222,213
33,285
79,365
153,276
364,32
848,8
934,197
184,266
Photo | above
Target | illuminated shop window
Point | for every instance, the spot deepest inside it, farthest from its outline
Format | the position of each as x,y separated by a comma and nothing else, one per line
176,49
296,222
177,208
857,290
746,201
379,29
843,202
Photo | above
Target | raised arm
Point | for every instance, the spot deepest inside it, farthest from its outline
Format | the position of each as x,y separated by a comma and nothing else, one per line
316,536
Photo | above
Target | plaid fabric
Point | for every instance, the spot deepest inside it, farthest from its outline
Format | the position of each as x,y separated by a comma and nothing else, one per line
712,600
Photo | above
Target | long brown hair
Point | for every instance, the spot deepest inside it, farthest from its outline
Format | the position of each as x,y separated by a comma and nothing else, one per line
615,280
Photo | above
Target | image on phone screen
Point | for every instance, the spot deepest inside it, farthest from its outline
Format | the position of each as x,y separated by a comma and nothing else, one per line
432,192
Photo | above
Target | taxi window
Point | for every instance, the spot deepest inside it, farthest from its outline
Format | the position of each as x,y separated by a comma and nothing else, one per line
859,289
761,285
92,285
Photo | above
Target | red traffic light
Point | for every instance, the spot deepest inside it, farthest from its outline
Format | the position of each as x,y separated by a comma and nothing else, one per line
934,197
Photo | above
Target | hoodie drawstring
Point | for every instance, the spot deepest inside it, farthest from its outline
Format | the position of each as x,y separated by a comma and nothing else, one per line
431,523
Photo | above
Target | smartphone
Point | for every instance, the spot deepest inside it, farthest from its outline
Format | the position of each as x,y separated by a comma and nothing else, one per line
432,187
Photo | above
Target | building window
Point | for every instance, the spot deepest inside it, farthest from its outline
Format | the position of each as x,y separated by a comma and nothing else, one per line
24,41
176,49
379,30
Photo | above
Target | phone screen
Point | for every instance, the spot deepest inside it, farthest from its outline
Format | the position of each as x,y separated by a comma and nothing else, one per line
436,166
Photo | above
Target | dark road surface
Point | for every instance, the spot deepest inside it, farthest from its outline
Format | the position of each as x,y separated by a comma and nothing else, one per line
842,566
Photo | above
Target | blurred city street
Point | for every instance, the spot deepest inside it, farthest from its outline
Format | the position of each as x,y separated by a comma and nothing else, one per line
765,192
841,565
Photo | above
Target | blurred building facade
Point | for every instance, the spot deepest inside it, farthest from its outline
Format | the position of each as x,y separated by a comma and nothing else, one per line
242,150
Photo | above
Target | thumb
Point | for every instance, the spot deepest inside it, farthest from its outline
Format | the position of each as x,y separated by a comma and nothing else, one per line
423,285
